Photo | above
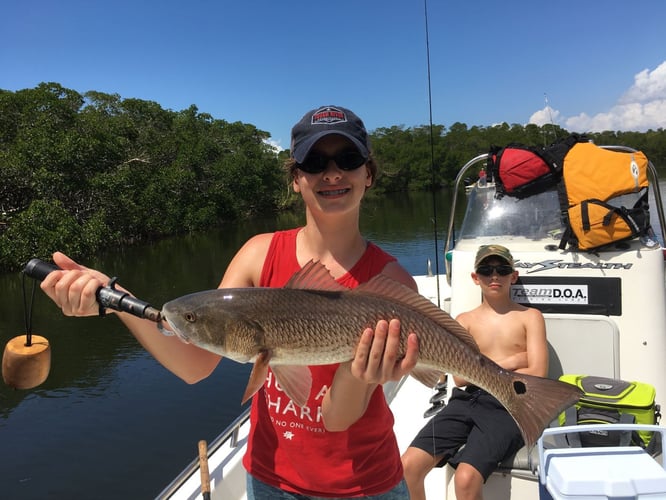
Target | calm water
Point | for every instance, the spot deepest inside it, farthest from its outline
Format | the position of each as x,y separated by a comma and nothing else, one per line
110,422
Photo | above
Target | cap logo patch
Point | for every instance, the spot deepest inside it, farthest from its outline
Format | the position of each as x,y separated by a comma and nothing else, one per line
326,116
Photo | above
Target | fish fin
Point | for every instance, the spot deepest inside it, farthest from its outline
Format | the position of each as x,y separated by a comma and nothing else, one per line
315,276
427,376
386,287
535,402
257,375
295,381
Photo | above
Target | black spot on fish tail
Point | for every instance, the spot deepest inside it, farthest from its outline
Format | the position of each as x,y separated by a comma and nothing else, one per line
519,387
535,402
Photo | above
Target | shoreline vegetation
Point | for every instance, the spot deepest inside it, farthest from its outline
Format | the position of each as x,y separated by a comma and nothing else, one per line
85,172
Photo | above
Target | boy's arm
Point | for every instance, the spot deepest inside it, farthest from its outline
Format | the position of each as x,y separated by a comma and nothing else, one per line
534,361
536,343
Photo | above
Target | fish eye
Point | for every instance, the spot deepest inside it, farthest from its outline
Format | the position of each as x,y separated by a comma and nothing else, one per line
190,317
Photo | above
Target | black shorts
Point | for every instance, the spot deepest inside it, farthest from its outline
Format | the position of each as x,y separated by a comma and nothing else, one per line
478,421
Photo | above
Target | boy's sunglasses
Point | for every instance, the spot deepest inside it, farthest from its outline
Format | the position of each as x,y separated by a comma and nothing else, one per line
317,163
487,270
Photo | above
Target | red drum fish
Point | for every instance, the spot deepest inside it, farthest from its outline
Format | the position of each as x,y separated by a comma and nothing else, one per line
314,320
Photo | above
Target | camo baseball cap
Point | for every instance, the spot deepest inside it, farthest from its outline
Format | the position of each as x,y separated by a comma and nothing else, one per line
327,120
486,251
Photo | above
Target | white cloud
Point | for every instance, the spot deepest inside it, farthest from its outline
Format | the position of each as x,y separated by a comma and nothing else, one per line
275,144
545,116
641,107
648,87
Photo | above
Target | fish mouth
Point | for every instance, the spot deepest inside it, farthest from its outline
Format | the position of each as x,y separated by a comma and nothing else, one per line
172,330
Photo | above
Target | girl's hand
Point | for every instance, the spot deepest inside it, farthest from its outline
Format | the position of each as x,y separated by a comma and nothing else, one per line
379,358
74,288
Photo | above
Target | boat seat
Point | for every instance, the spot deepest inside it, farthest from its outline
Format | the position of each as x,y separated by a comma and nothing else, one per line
586,344
521,461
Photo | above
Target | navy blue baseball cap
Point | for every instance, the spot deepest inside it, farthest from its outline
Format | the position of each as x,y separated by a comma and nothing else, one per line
323,121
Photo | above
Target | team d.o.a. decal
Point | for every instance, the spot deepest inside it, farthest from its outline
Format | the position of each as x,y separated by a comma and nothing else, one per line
550,294
570,294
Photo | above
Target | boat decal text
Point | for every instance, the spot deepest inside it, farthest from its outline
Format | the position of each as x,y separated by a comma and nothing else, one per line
550,294
545,265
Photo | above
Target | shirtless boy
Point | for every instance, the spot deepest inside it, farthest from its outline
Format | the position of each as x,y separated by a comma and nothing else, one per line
512,335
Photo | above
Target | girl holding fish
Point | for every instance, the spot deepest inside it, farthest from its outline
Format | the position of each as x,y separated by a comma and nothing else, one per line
338,442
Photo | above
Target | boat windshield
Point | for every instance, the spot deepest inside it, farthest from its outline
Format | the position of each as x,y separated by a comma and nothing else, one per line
535,217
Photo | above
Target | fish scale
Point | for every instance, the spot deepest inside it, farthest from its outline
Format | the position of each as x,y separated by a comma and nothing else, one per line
316,321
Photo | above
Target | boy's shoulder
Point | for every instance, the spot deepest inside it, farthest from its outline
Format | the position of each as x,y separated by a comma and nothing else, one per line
485,309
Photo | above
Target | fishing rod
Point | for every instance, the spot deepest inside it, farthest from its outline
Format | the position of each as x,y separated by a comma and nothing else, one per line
26,360
108,297
432,153
438,400
203,469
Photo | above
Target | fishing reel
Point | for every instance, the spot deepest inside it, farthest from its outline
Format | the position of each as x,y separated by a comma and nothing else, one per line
438,401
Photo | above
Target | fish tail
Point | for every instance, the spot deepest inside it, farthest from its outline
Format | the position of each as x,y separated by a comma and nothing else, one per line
537,401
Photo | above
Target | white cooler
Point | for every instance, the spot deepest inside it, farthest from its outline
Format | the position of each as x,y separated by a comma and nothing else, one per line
622,472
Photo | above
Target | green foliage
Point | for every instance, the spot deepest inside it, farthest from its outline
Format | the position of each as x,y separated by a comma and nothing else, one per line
417,158
38,231
79,172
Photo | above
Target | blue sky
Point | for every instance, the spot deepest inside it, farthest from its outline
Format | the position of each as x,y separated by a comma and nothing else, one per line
600,64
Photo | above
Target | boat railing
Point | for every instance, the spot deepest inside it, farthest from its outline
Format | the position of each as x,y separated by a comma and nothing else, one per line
653,177
230,435
456,189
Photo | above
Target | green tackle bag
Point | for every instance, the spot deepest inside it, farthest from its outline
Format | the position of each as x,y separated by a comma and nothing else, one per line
608,401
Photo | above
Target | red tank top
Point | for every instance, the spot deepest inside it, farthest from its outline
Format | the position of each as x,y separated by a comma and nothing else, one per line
288,446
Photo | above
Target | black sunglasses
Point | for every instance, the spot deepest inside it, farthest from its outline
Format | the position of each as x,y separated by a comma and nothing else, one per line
347,160
487,270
